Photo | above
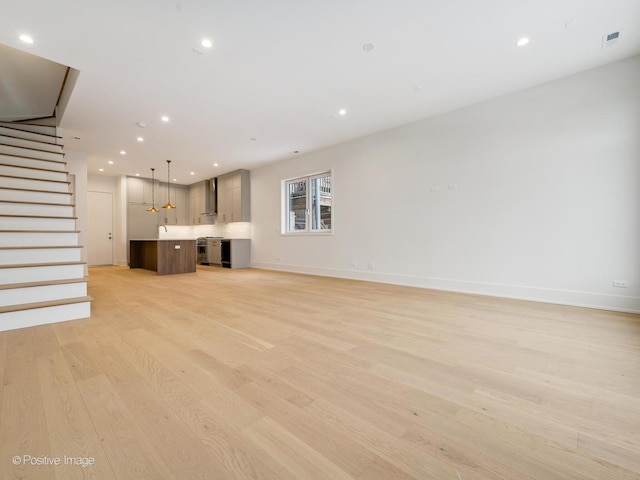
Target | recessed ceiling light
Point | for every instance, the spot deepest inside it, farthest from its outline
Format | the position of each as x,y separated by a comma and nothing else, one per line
342,111
215,164
175,179
192,173
140,139
253,139
141,124
123,152
206,43
367,47
26,39
522,42
165,118
101,169
110,162
137,174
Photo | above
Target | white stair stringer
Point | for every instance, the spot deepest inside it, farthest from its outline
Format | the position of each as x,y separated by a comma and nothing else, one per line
41,272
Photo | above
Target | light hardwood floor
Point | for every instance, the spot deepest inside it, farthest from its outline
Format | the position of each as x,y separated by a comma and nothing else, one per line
250,374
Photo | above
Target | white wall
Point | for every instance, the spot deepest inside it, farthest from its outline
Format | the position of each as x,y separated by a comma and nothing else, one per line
77,166
547,205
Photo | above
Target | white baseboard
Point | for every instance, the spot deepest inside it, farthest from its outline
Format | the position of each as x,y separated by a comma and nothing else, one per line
618,303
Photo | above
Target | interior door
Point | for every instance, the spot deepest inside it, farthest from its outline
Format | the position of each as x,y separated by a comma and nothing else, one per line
100,228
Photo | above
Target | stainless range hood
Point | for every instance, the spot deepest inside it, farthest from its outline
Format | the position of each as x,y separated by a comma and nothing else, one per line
211,197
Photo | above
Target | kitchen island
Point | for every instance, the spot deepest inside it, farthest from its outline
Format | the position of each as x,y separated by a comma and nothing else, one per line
165,256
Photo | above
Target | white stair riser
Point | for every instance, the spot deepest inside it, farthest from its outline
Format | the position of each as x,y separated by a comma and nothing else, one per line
33,162
9,182
44,129
15,171
38,137
36,209
40,255
21,142
27,223
42,316
36,239
29,196
43,293
28,152
40,274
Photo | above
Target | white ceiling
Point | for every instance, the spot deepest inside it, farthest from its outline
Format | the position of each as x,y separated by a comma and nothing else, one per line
280,70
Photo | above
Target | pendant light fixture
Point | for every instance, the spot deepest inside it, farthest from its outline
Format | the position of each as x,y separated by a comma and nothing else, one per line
168,204
153,208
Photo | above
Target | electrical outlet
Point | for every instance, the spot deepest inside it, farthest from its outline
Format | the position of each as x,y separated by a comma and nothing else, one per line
620,283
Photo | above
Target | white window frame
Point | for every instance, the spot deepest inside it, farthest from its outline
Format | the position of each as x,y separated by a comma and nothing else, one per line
308,230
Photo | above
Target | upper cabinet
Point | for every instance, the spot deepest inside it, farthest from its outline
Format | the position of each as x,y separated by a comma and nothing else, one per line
142,193
199,204
234,201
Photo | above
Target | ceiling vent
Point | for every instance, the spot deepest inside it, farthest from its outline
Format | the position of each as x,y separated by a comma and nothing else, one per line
610,39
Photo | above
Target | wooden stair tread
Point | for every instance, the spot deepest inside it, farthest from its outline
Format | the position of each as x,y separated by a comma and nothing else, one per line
37,247
46,264
13,215
16,177
4,125
33,158
44,283
39,203
34,190
30,148
50,303
30,139
3,164
39,231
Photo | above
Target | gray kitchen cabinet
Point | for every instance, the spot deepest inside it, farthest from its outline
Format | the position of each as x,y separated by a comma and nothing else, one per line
174,216
234,197
198,208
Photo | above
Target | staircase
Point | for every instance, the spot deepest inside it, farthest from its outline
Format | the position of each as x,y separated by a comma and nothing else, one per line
41,274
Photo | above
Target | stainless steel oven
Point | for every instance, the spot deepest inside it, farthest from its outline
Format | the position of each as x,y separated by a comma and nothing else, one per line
201,254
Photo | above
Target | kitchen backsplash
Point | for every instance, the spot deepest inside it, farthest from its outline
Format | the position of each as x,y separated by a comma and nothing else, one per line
226,230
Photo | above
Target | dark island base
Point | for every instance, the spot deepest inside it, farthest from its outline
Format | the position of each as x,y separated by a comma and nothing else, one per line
167,257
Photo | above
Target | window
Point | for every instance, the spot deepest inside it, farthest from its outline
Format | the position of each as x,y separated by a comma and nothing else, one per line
308,204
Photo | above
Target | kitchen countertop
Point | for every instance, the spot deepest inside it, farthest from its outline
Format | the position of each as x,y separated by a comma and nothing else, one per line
160,239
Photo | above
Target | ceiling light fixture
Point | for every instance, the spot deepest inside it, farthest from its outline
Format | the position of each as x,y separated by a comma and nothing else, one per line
168,204
522,42
342,111
26,39
140,139
192,173
206,43
153,208
123,152
101,169
141,124
165,118
110,162
215,164
367,47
